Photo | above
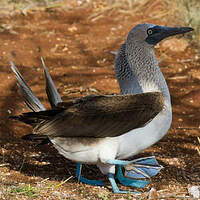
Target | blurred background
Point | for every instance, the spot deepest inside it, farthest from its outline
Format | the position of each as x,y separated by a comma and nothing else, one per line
78,40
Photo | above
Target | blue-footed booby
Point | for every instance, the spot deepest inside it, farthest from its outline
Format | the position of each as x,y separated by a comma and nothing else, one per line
107,129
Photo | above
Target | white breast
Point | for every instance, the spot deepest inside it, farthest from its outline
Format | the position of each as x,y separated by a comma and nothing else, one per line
137,140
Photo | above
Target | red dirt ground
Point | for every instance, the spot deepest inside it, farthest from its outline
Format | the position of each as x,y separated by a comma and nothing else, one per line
76,43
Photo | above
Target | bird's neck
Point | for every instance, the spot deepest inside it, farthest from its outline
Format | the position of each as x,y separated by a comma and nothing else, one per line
146,74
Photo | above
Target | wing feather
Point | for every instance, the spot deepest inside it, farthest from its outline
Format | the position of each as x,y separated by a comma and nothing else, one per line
100,116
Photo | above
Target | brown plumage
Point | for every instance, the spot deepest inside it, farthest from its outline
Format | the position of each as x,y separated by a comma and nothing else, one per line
97,116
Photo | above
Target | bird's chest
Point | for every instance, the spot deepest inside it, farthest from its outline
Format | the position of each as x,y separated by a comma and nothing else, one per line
139,139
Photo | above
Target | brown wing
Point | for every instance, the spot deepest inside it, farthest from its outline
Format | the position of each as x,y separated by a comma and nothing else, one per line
102,116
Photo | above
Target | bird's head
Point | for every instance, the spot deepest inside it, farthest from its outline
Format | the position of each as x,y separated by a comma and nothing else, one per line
152,34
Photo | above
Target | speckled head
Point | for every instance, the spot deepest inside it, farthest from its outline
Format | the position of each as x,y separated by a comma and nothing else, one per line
152,34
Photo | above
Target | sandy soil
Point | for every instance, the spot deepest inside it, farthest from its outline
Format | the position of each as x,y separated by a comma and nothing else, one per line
76,42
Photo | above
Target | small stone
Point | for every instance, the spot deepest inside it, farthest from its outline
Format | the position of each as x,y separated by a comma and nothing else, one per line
153,194
56,193
113,52
72,29
194,191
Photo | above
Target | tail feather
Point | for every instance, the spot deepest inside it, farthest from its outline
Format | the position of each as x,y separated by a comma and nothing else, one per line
34,104
30,99
34,137
31,121
52,93
39,111
34,118
44,141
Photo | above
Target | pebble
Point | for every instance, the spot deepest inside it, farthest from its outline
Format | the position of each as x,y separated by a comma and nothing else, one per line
153,194
194,191
56,193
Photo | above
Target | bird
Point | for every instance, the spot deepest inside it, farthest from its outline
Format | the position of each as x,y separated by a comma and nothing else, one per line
108,129
146,167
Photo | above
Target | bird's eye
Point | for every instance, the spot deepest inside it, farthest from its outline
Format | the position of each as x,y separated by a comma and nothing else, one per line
149,32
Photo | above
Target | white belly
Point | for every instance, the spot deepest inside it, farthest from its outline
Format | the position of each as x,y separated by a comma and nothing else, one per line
138,140
86,150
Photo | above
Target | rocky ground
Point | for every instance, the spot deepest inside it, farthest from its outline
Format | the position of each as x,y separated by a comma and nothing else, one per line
77,40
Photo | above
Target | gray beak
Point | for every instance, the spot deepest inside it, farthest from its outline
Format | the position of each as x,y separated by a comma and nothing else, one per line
161,32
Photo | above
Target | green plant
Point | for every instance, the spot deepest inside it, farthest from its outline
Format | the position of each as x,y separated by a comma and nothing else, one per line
26,190
103,196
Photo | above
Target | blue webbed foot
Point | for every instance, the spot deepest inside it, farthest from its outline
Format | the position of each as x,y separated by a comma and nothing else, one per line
91,182
143,168
139,168
128,181
85,180
115,187
136,169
